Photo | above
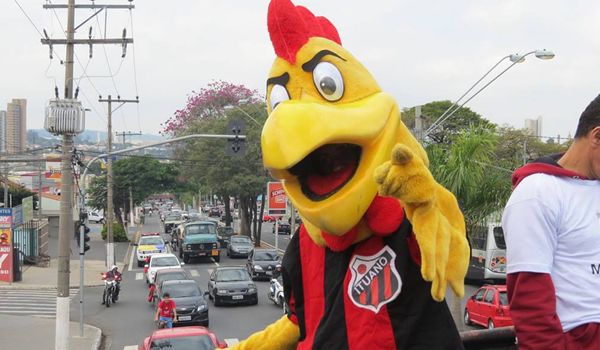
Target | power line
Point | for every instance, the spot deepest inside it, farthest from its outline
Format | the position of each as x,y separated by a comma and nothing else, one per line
29,18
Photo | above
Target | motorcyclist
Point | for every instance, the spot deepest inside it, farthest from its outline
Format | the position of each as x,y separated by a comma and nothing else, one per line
114,273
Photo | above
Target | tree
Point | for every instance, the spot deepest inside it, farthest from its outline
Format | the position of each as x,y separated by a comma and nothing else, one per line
206,164
463,119
143,175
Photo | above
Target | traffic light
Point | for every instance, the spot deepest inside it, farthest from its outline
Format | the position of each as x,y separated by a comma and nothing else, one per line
86,238
236,145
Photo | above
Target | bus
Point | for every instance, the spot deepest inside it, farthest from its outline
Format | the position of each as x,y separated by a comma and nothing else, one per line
488,253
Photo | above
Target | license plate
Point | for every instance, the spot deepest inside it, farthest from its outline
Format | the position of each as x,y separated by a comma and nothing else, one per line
237,297
269,273
201,254
215,252
184,318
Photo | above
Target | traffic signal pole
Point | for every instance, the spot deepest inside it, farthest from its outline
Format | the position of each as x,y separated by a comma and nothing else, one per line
81,266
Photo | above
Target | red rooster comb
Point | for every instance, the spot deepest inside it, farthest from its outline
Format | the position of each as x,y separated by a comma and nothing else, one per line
291,26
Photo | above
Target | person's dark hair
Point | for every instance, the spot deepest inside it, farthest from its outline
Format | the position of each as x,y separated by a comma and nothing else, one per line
590,118
166,295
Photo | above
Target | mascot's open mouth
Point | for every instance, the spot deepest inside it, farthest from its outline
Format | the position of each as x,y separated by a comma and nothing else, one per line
327,169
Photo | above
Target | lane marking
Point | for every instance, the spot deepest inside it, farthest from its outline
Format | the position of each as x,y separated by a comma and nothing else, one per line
216,263
131,258
194,273
131,347
279,250
231,341
139,276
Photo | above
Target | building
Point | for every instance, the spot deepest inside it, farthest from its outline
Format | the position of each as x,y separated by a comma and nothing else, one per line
534,126
2,131
16,126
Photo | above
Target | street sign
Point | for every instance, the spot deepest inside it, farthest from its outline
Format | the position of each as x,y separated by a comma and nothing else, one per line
27,209
6,247
17,216
277,199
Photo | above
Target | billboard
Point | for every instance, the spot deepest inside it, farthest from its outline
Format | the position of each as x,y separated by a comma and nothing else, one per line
6,254
277,199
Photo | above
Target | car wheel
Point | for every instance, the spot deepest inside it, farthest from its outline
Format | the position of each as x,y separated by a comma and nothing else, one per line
491,324
217,258
467,318
186,259
228,254
140,263
216,301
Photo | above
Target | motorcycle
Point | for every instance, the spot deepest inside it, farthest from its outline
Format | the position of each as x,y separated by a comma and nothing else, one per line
111,286
276,290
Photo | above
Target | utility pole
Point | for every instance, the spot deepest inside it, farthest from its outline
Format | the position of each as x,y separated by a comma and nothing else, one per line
131,219
110,245
127,133
69,124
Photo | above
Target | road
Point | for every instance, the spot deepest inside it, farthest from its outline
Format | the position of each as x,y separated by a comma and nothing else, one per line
130,320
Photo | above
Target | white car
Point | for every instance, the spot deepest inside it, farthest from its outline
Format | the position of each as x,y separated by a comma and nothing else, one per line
159,262
97,217
149,245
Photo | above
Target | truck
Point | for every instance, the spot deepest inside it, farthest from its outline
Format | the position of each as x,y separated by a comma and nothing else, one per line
199,239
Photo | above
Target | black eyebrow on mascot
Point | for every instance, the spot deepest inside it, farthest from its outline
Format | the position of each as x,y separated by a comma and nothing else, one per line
380,239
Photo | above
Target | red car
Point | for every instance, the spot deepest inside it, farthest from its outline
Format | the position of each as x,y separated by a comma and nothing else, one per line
183,338
267,218
488,307
151,234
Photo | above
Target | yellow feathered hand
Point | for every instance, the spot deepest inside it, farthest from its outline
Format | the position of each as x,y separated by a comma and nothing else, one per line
437,221
283,334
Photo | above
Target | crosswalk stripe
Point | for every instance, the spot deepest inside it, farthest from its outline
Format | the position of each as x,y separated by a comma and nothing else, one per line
194,273
130,347
31,302
139,276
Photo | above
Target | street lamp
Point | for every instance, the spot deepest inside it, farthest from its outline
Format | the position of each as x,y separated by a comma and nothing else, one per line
514,58
230,107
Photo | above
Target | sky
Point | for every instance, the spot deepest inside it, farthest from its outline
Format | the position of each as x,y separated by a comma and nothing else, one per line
418,51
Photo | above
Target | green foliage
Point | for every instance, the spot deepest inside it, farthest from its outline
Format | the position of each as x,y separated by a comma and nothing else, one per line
463,119
19,192
119,234
144,175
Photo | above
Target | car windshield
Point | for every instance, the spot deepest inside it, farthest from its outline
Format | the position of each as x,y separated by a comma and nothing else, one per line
200,229
170,277
151,241
174,217
265,256
232,275
181,290
228,230
196,342
165,261
245,240
503,298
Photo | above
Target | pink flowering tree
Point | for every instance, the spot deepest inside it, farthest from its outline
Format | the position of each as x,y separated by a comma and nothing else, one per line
209,102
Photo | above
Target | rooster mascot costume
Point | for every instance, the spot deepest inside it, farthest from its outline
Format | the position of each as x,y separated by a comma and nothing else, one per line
380,238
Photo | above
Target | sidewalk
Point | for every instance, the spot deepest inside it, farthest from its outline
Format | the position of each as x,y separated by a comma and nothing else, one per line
19,332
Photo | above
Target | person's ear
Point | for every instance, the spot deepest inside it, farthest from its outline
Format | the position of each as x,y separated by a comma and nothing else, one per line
595,136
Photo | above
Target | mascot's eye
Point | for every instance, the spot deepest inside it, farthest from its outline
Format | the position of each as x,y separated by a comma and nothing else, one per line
328,81
278,95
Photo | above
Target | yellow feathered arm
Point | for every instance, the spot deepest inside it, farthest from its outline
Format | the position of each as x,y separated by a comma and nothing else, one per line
281,335
437,221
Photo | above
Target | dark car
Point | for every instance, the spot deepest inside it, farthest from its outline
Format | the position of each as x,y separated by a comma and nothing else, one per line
262,262
224,234
214,212
239,246
191,306
168,275
283,229
232,285
182,338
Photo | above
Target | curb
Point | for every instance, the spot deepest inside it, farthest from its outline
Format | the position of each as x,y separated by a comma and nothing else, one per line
98,337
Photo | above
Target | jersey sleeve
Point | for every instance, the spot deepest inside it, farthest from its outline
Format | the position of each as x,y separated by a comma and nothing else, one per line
530,227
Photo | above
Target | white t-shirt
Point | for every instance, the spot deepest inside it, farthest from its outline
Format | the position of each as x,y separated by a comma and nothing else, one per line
552,225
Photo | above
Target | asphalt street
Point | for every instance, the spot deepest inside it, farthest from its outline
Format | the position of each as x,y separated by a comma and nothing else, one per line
126,323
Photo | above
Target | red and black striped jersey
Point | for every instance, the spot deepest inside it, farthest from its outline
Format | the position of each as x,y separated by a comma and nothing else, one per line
369,296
